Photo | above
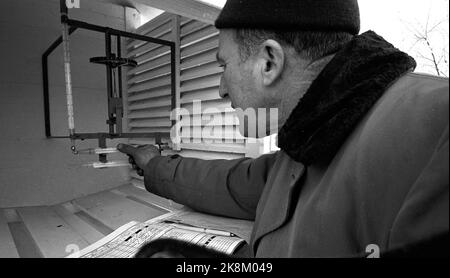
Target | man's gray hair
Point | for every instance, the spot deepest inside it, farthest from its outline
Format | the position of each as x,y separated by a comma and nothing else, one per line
311,45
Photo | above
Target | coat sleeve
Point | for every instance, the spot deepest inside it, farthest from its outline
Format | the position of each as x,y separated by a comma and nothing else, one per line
425,210
229,188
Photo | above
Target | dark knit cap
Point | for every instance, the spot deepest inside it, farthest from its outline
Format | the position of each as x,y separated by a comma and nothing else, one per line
313,15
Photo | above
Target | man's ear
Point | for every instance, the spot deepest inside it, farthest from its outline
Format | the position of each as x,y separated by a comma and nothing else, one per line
272,59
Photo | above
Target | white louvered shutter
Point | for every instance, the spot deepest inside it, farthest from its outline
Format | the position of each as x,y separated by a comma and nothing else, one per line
149,90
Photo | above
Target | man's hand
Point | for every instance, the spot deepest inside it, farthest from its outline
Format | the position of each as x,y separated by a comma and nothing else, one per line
141,155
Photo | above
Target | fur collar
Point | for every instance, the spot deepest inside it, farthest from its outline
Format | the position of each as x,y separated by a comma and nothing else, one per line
340,96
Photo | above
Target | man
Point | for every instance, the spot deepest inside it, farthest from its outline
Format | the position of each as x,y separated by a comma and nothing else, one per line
364,141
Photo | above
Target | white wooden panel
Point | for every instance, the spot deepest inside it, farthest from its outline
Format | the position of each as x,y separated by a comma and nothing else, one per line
209,155
211,93
159,30
25,244
151,103
217,119
155,72
149,46
156,83
50,232
152,25
153,54
198,59
89,233
7,245
150,129
200,132
158,112
191,27
152,199
197,10
223,147
198,72
209,107
198,34
203,82
150,122
114,210
208,42
147,94
147,66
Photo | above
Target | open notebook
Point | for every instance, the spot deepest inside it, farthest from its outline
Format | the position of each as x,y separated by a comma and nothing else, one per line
219,233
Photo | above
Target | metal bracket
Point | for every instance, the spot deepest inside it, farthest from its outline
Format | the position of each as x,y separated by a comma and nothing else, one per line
112,61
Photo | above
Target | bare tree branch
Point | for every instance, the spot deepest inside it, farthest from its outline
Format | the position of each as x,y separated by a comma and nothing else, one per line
425,34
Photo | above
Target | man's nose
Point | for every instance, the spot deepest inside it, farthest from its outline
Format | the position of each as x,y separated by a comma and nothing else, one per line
222,90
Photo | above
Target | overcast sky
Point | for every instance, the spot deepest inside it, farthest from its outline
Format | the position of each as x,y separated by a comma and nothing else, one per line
399,21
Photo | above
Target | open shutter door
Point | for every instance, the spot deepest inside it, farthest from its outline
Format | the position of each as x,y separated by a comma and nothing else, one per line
149,90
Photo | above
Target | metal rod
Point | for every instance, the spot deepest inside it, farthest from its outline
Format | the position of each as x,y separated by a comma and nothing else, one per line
83,136
101,165
63,7
108,83
173,80
88,26
48,129
102,144
86,136
98,151
68,77
119,104
58,137
119,69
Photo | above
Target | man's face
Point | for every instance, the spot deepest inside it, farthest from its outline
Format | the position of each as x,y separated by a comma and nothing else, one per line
238,82
249,84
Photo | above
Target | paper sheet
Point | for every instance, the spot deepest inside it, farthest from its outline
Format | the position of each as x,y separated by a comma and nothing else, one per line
128,239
